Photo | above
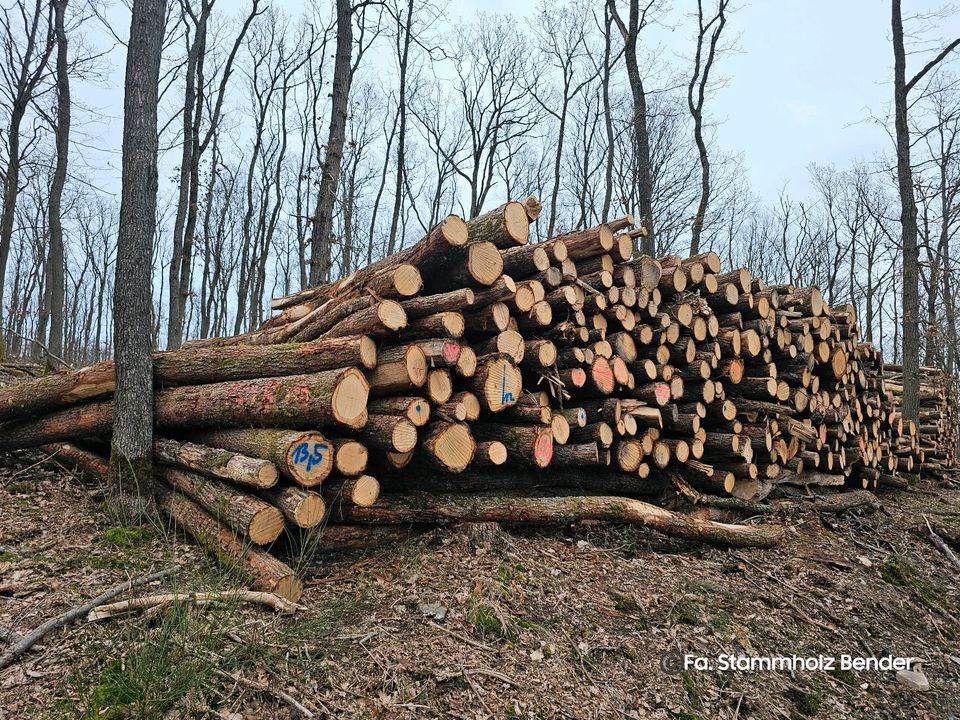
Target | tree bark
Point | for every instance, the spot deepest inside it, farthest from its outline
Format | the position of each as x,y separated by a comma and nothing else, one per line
131,456
56,268
322,230
448,509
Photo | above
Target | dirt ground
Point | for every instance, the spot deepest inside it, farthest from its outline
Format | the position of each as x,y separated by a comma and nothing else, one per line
571,622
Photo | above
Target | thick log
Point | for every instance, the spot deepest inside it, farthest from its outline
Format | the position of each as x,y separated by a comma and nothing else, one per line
261,570
442,324
248,515
380,320
402,368
307,458
450,445
446,509
330,397
497,382
303,508
217,462
349,457
506,226
418,307
388,433
195,366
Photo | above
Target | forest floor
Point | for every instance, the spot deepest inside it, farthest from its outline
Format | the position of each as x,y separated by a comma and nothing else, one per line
566,623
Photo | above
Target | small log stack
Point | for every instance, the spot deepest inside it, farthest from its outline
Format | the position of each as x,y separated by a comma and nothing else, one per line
474,375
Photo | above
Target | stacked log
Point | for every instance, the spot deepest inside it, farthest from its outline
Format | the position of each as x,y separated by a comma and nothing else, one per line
474,362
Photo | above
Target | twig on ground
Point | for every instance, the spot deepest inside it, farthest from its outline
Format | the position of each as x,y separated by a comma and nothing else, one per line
461,638
941,545
151,602
265,687
33,637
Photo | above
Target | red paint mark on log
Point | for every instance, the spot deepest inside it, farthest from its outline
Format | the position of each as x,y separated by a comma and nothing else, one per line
451,351
662,392
543,450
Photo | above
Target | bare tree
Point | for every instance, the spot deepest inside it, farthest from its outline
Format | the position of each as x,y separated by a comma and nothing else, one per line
562,42
708,37
27,44
131,458
630,30
55,262
194,145
322,229
908,208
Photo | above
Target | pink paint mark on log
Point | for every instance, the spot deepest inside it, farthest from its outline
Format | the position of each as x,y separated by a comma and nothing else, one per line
543,450
451,351
299,394
662,392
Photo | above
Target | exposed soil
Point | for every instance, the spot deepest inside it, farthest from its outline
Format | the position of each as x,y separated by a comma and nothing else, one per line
560,623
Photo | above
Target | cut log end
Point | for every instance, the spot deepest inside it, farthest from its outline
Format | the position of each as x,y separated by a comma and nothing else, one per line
349,400
516,223
484,263
265,526
350,457
403,437
454,446
310,511
454,230
407,280
368,352
392,314
310,459
502,385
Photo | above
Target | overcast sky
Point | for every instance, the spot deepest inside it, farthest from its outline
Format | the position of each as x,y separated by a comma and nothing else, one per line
802,86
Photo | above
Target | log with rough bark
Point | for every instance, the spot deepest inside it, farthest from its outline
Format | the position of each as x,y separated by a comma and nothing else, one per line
187,367
307,458
447,509
506,226
246,514
262,570
216,462
362,491
497,382
303,508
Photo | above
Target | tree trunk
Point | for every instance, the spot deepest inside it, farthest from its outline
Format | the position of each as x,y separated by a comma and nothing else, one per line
131,457
56,270
322,230
448,509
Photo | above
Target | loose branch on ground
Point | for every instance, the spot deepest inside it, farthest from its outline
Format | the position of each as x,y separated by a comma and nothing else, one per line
32,638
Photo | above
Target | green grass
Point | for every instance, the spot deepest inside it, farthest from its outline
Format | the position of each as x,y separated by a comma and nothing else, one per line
489,623
806,700
898,571
125,537
685,612
158,666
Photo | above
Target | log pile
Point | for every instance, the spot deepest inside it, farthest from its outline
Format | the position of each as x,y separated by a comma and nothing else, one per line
476,376
931,444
